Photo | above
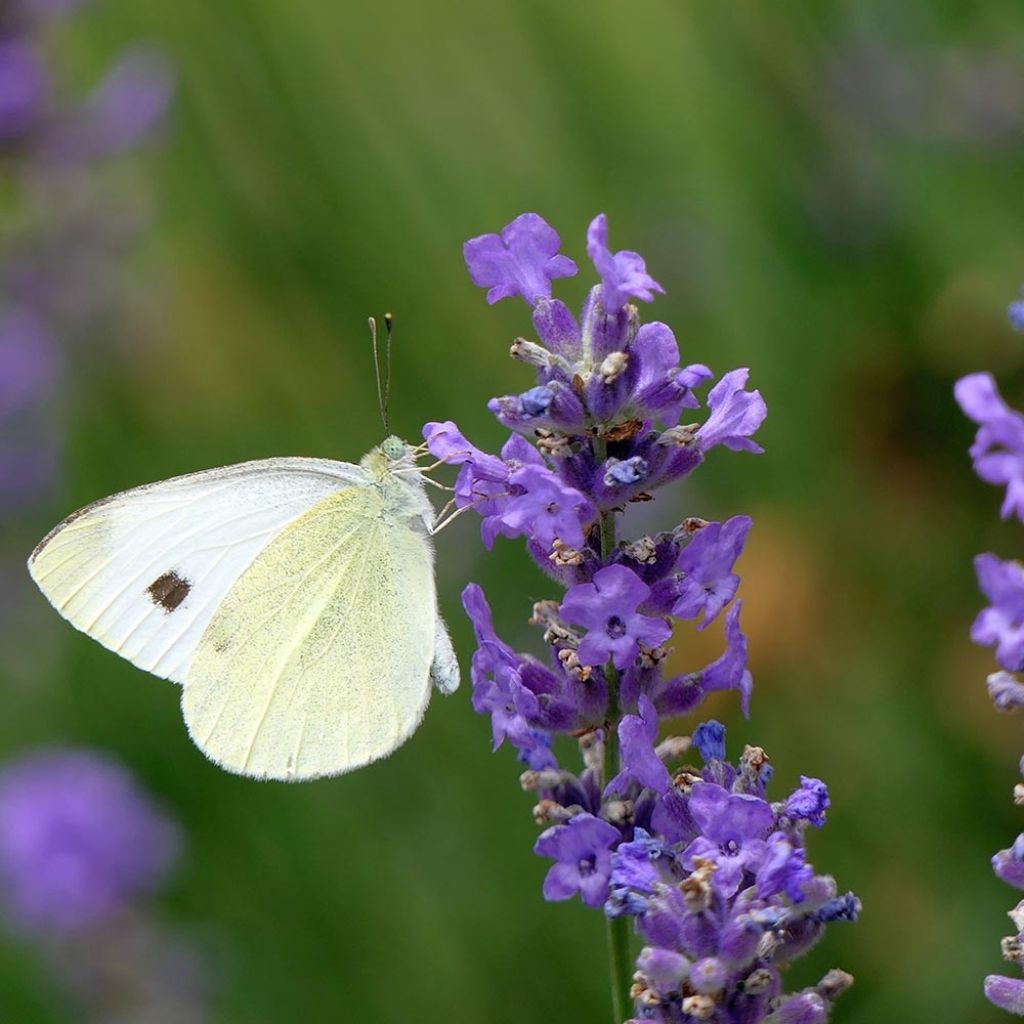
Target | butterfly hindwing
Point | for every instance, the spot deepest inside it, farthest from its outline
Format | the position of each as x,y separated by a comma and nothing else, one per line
318,659
144,571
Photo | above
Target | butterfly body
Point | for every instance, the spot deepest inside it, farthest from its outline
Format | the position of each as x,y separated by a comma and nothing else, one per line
293,599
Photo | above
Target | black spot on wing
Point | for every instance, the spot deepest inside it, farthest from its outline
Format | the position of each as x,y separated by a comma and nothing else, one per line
169,590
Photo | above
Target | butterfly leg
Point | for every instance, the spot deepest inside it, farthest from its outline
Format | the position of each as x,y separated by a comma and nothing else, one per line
444,670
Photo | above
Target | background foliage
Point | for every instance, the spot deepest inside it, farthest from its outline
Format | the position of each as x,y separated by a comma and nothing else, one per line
831,194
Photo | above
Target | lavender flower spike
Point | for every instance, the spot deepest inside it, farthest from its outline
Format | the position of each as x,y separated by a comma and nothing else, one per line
712,876
522,260
998,454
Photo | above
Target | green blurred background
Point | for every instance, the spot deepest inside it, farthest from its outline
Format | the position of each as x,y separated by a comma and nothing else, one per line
831,195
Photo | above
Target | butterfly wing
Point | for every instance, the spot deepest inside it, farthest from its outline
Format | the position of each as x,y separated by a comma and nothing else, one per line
319,658
143,571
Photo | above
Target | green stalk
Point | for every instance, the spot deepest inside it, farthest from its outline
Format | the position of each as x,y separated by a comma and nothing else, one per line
620,962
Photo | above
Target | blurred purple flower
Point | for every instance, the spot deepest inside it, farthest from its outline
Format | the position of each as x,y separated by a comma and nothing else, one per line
29,362
1015,313
24,87
124,109
58,273
1002,624
79,841
998,449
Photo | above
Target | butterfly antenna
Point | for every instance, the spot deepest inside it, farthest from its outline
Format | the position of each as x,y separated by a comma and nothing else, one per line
381,403
389,324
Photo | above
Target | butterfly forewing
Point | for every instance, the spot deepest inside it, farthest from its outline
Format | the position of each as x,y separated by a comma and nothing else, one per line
318,658
143,572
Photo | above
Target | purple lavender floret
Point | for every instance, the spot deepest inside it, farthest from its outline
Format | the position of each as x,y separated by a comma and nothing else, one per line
707,581
712,876
607,608
623,274
523,260
583,860
78,840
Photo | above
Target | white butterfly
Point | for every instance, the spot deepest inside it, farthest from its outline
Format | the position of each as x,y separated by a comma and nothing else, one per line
293,599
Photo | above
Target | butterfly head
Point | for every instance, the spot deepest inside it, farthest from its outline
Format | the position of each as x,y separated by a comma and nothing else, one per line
391,454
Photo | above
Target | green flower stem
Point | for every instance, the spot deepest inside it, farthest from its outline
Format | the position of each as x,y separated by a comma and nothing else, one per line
620,961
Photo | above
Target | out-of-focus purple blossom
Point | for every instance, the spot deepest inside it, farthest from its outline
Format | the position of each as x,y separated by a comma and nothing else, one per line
708,583
523,260
607,609
125,108
24,87
998,449
1002,624
29,362
1015,313
59,268
78,840
623,274
583,860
